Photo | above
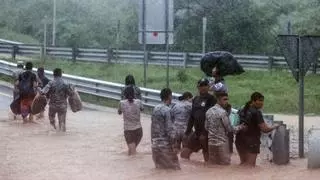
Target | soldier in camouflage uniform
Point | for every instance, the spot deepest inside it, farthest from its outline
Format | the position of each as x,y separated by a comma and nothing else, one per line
180,114
219,126
163,134
58,92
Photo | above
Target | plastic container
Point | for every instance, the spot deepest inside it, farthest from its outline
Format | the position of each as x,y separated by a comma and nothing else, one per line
281,146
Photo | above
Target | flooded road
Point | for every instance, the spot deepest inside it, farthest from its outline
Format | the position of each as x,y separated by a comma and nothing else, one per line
94,148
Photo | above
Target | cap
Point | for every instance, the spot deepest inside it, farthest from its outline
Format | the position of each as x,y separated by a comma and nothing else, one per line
203,82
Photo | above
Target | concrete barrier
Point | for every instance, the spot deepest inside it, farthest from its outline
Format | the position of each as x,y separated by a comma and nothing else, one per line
281,145
314,149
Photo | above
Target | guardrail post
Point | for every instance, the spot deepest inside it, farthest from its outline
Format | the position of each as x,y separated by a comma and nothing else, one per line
185,60
145,95
97,92
270,63
149,57
110,55
14,52
43,53
75,53
314,67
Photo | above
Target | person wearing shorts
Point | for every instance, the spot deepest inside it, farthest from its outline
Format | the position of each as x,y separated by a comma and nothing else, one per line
199,138
248,140
131,108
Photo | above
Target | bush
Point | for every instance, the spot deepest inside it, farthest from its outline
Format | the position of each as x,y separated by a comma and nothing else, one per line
182,75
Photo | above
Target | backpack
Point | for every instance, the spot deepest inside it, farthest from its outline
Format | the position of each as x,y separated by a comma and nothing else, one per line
243,117
26,84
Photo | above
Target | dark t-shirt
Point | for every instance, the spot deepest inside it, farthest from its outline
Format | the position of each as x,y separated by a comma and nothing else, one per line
28,75
252,119
200,105
137,92
44,81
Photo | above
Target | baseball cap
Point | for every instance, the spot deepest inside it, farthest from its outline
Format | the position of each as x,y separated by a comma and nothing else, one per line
203,82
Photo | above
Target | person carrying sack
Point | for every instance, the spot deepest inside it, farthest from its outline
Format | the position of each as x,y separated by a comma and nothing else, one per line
58,92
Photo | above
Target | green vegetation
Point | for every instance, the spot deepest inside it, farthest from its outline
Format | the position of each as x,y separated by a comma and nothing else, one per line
279,87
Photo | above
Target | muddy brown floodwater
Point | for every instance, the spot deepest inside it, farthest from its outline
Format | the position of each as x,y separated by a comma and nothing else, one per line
94,148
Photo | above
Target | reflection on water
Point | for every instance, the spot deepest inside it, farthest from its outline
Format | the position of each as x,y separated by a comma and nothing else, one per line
94,148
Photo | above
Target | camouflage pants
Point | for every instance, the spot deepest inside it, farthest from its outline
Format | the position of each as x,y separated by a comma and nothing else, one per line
62,112
165,158
181,139
220,154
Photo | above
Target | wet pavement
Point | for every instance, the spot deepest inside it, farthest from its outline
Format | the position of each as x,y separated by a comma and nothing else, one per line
94,148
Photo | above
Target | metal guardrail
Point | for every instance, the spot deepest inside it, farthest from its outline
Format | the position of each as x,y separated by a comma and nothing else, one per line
179,59
103,89
9,42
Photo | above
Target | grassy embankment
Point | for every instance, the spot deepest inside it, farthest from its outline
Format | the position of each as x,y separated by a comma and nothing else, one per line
8,34
279,87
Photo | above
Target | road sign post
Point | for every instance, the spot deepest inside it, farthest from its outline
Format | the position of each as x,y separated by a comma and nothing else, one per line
301,100
300,52
145,57
156,27
204,30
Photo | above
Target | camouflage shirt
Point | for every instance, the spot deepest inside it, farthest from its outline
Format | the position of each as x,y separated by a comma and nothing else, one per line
180,114
218,125
58,92
162,127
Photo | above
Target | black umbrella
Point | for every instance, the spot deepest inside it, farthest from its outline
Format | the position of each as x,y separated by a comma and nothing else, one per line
223,60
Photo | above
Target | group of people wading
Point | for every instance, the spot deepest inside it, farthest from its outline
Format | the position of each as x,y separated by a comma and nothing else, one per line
28,85
195,123
184,126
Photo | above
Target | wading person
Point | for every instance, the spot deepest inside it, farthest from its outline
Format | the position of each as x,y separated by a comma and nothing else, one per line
248,141
44,81
180,116
16,76
130,108
58,92
130,81
199,138
219,86
16,94
27,84
219,127
163,134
